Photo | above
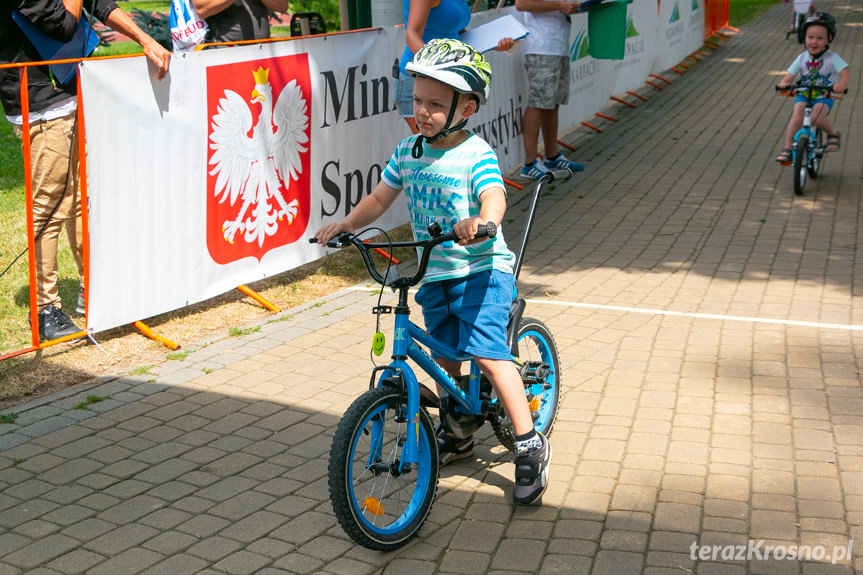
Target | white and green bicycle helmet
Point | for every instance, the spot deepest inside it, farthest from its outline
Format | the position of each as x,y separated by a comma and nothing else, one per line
459,66
456,64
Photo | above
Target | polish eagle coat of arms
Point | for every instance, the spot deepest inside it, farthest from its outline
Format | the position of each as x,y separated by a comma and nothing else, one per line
258,148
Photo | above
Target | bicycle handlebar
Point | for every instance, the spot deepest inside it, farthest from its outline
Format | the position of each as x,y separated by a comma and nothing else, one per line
488,230
798,87
344,239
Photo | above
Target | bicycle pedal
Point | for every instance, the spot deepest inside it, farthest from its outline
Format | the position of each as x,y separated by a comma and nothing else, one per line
785,163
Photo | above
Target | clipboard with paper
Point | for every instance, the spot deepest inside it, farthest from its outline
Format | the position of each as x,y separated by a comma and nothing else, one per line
484,38
80,46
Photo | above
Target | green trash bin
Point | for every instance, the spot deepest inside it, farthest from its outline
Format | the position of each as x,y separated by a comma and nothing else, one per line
606,29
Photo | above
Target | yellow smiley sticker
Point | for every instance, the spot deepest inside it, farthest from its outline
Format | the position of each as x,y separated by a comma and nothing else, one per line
378,342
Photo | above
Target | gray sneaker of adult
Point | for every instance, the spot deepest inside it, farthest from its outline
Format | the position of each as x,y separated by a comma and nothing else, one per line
53,324
81,307
531,473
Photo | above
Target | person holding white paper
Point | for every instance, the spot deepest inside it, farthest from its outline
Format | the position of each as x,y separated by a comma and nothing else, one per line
428,20
547,63
53,133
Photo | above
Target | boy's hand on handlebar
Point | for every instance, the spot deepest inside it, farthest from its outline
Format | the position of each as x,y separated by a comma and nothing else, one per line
330,231
466,230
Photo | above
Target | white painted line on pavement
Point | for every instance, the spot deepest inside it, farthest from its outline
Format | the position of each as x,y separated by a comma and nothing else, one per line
652,311
699,315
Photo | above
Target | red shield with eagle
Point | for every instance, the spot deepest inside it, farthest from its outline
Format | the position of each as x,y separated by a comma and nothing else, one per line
258,128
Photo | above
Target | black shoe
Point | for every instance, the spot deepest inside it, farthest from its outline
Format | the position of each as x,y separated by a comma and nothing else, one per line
450,448
531,473
53,324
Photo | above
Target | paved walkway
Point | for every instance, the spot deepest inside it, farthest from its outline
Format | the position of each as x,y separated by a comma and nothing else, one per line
708,323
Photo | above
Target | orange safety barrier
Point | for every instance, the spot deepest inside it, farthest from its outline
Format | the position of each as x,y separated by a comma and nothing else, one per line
715,16
82,171
515,185
622,101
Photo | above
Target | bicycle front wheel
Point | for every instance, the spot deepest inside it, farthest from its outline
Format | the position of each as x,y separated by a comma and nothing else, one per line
801,161
378,503
817,155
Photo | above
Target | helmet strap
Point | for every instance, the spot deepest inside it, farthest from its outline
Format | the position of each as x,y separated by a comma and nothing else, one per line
417,150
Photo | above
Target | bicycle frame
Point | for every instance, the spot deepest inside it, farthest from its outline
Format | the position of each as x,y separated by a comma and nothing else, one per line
406,334
809,92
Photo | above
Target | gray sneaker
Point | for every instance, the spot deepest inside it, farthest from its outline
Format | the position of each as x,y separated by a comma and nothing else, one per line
81,306
54,324
531,473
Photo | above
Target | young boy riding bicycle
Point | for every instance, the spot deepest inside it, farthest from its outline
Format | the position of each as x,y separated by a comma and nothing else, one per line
817,66
452,177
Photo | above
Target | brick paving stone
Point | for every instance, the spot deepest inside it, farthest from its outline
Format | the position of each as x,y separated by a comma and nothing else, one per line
45,549
521,555
617,562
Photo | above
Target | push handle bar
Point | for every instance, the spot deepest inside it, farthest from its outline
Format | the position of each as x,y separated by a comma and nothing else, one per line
345,239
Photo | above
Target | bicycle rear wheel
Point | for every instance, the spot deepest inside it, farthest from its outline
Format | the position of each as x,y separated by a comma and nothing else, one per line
540,370
817,155
378,504
801,159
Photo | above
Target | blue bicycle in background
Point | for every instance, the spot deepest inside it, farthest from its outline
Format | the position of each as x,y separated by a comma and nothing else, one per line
383,468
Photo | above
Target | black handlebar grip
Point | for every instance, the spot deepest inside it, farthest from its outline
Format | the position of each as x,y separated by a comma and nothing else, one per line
486,230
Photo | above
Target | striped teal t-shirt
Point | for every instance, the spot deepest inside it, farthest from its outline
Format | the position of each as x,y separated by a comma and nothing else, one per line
446,186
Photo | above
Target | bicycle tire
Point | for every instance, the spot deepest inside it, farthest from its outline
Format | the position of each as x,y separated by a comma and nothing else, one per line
536,344
817,162
801,159
376,506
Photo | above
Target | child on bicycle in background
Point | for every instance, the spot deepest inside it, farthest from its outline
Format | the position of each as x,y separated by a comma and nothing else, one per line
818,66
452,177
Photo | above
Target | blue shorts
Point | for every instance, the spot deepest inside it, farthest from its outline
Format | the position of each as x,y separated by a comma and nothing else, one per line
470,314
403,94
826,101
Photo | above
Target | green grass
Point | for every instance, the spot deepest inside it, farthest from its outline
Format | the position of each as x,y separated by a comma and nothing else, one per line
745,11
151,5
240,331
91,399
118,49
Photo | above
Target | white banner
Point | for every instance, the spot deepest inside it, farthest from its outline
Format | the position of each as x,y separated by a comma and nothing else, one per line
216,176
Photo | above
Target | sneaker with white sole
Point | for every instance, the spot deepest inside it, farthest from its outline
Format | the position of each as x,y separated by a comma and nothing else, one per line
54,324
534,170
81,307
450,448
531,473
560,162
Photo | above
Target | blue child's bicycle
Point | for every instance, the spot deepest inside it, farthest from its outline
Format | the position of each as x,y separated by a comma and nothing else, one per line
383,468
807,151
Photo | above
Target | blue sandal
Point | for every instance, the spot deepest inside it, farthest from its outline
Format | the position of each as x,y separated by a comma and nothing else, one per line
834,142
